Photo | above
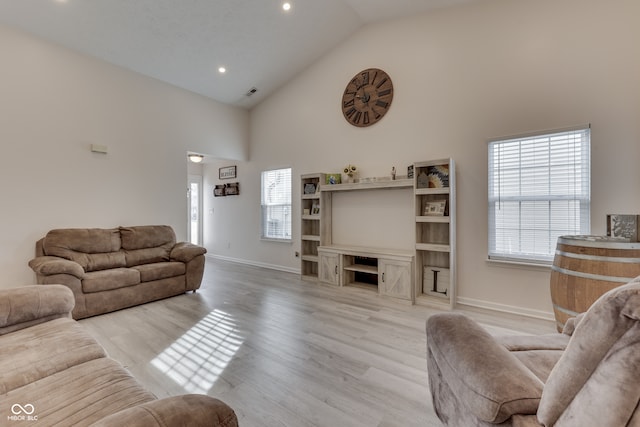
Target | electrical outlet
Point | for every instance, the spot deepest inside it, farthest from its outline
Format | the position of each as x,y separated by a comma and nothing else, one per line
297,254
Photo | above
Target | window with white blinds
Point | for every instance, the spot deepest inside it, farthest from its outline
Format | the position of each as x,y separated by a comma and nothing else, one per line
539,189
276,204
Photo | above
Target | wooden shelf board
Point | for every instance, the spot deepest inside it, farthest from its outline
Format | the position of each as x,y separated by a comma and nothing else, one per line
438,295
312,258
310,237
311,196
373,185
438,219
435,162
426,191
368,252
434,247
311,217
370,269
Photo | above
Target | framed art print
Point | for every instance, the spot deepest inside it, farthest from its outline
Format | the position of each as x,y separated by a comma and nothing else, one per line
227,172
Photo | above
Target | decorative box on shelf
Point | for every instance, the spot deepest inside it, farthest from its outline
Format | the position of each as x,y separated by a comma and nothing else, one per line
333,178
435,281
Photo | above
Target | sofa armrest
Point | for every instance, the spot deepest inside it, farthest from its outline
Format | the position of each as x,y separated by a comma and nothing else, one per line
493,383
185,252
29,305
193,410
50,265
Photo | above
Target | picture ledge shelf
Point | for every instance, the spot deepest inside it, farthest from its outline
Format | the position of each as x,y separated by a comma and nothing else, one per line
371,185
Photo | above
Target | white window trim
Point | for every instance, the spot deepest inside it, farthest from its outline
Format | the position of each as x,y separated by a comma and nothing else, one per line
263,237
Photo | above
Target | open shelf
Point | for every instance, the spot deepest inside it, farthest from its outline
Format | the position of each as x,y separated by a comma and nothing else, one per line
435,209
362,268
311,226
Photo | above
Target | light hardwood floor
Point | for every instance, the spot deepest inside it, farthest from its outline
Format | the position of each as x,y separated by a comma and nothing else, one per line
286,352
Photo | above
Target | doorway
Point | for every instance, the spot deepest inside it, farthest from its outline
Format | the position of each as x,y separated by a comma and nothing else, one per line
194,206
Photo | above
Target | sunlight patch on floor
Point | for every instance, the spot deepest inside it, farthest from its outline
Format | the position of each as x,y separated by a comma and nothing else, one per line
196,359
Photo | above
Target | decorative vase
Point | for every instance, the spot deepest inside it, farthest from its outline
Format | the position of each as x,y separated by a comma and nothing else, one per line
350,178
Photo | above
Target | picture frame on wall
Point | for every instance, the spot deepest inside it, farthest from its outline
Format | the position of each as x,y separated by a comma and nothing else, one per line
218,190
227,172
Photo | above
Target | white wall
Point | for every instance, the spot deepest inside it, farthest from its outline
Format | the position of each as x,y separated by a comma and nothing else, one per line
54,104
461,76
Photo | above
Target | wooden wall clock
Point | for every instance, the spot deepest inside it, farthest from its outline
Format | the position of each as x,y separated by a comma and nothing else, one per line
367,97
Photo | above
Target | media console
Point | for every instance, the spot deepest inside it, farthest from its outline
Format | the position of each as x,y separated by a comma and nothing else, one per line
389,272
424,275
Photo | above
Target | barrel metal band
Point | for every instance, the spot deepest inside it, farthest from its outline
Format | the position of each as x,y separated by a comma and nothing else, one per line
565,311
598,258
591,276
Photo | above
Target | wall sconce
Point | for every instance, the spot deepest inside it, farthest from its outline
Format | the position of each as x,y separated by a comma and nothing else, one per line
195,158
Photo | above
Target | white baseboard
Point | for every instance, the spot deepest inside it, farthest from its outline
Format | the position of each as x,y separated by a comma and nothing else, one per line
255,263
511,309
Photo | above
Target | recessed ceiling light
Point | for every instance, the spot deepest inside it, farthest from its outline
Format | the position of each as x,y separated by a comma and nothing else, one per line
222,70
286,6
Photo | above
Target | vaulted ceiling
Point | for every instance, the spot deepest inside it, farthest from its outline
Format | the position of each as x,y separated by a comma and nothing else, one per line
185,42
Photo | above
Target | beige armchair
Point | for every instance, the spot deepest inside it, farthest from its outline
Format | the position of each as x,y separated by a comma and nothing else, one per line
589,375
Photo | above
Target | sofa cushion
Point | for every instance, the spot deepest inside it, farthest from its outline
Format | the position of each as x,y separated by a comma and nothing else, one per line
29,305
160,270
80,395
147,244
106,280
202,411
539,353
93,248
42,350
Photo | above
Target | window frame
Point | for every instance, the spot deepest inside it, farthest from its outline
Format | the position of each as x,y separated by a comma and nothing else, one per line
580,197
264,229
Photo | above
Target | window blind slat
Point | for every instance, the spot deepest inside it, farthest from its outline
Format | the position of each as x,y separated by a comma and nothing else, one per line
539,189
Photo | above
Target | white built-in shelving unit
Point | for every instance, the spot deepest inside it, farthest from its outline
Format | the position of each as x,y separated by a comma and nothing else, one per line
425,275
435,209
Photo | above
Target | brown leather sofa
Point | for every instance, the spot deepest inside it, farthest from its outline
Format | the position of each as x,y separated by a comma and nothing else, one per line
586,376
110,269
53,373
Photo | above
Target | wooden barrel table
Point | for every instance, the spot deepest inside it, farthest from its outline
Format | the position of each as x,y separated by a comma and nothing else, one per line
585,267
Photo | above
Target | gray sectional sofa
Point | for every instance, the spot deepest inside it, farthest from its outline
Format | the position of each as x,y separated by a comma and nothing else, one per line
53,373
110,269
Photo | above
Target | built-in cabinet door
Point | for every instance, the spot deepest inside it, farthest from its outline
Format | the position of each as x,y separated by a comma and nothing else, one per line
329,267
394,278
